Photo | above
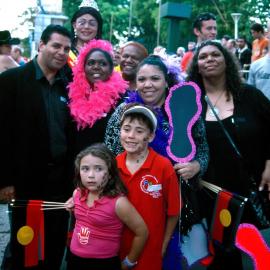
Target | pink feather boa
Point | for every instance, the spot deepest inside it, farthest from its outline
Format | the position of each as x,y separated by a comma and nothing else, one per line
87,105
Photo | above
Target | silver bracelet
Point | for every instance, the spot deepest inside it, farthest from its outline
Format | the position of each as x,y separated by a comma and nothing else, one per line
128,263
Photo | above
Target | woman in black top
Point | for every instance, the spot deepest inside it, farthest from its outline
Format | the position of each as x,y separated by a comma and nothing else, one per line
245,113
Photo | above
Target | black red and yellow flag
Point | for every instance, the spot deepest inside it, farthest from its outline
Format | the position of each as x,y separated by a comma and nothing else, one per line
227,215
27,234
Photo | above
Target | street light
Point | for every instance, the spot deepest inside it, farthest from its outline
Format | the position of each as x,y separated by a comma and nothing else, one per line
130,18
236,17
158,24
111,26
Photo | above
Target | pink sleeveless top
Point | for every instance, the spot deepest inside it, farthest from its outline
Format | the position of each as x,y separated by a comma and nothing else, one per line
98,229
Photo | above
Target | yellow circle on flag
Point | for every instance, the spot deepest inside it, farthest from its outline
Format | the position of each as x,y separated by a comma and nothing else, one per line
225,217
25,235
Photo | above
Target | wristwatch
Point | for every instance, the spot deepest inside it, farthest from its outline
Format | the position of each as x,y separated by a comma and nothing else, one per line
128,263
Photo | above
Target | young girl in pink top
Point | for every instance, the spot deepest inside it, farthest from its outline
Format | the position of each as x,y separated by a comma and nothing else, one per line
101,209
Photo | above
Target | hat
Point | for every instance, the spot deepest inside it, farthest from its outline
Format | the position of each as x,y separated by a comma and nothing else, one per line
5,38
142,110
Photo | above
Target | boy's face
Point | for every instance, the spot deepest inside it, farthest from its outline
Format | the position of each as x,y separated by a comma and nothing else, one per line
135,136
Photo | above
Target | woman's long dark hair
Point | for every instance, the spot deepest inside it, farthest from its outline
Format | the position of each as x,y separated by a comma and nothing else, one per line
232,72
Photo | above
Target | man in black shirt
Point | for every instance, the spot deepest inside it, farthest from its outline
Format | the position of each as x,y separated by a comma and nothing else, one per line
243,53
35,141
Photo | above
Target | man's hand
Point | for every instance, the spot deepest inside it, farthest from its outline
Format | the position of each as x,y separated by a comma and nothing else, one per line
7,194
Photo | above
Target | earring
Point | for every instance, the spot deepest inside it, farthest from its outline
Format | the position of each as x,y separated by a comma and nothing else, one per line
75,33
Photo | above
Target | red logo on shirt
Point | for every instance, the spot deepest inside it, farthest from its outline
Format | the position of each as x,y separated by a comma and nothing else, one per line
150,185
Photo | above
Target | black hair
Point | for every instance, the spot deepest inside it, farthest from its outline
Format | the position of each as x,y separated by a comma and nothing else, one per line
93,12
226,37
233,79
51,29
257,27
197,23
137,116
242,37
155,60
106,55
114,186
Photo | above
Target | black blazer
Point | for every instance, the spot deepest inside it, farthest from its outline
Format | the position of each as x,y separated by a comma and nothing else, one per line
244,57
24,135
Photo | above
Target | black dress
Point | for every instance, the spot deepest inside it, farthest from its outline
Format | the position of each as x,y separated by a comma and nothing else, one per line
249,127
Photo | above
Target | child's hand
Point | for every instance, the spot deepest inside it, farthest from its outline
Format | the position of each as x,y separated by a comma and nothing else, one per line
124,267
69,204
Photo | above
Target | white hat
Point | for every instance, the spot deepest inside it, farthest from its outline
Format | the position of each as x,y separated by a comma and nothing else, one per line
89,3
143,110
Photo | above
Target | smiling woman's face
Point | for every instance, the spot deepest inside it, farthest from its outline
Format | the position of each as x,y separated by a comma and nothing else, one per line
211,62
86,27
97,68
151,84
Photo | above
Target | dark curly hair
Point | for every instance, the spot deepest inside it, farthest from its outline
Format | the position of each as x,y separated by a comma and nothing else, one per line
114,186
233,78
155,60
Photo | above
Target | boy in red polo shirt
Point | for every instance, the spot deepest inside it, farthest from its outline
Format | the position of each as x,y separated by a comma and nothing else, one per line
152,186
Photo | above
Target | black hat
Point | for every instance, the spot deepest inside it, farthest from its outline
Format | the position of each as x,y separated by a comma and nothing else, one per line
5,38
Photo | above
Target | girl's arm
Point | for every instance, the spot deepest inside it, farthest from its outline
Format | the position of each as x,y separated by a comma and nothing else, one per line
170,226
70,202
132,219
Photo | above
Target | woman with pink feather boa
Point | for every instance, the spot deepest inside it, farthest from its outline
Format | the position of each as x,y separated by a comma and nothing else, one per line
95,91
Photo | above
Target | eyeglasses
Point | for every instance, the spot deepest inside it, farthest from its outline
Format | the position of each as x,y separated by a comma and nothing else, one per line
206,17
91,23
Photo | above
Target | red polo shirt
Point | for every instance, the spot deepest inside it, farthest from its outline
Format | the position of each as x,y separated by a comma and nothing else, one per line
154,192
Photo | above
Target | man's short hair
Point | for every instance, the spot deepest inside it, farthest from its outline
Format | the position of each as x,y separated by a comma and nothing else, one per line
242,37
257,27
51,29
226,37
197,23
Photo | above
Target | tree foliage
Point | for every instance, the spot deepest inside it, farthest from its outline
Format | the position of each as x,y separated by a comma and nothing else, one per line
115,13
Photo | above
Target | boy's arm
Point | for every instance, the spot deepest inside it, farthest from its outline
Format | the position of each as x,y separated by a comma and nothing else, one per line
132,219
170,226
172,195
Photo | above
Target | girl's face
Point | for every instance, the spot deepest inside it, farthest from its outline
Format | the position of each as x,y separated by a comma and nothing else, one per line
94,173
97,68
211,62
151,84
86,27
135,136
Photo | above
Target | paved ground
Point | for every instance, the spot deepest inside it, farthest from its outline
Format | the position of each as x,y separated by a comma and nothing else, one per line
4,229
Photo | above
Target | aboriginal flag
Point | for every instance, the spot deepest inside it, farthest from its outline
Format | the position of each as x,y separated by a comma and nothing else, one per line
226,218
27,233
